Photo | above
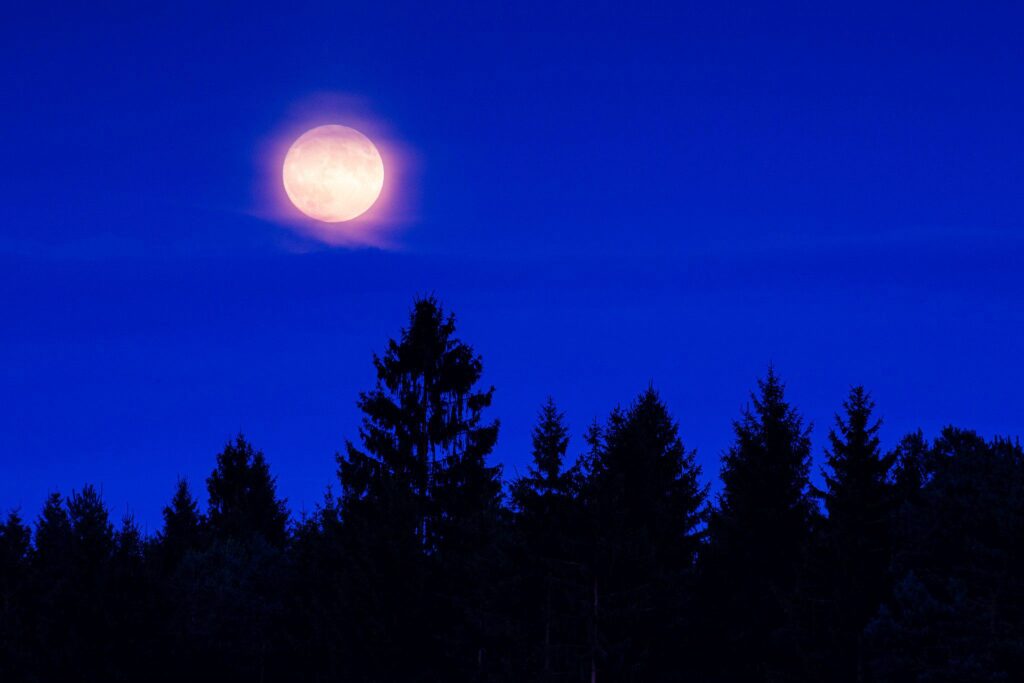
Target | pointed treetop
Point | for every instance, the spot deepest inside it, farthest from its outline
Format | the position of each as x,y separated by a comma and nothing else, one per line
90,519
770,400
54,517
769,463
550,441
182,524
183,509
856,429
129,540
15,538
546,475
854,453
243,495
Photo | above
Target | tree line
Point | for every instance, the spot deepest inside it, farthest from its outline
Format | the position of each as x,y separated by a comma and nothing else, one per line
616,565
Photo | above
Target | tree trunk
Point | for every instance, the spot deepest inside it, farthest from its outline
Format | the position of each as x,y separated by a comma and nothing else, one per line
593,637
547,630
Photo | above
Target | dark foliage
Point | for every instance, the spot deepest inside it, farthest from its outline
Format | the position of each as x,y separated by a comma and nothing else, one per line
610,566
243,498
856,546
956,612
753,569
421,513
550,616
643,504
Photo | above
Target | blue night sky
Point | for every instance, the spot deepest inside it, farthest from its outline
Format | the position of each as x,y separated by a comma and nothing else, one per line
605,196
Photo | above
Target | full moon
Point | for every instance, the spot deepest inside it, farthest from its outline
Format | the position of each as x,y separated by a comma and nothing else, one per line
333,173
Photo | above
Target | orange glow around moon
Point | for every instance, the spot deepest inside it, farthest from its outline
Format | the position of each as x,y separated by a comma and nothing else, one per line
333,173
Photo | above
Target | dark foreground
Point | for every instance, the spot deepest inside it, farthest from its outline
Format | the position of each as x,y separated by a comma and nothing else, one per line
611,566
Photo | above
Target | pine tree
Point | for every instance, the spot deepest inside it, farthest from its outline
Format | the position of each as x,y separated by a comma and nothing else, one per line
52,537
243,496
957,610
548,520
15,540
177,553
92,532
422,429
128,542
224,598
646,503
90,581
53,590
912,466
316,607
418,488
859,501
182,525
547,474
15,607
760,531
130,605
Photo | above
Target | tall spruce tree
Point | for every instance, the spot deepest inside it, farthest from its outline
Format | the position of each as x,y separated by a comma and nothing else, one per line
15,542
233,591
53,589
91,562
182,526
859,501
16,616
760,531
550,589
316,608
243,496
52,547
131,605
421,507
177,546
92,532
645,502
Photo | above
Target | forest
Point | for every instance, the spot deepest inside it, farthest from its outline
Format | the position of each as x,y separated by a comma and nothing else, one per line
608,560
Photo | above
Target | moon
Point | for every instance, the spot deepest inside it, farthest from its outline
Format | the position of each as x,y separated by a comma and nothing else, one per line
333,173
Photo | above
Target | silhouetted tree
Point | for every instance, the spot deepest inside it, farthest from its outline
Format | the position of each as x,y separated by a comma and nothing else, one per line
130,603
92,532
316,613
172,559
16,615
598,570
52,550
859,502
912,466
92,553
419,488
232,591
182,526
52,589
957,613
243,496
71,576
645,501
759,533
551,592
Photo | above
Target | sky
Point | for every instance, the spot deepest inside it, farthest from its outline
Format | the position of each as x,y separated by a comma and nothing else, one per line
607,195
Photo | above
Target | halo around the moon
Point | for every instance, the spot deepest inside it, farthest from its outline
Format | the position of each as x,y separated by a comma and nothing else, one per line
333,173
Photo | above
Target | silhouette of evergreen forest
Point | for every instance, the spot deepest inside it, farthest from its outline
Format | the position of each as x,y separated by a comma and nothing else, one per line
607,560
